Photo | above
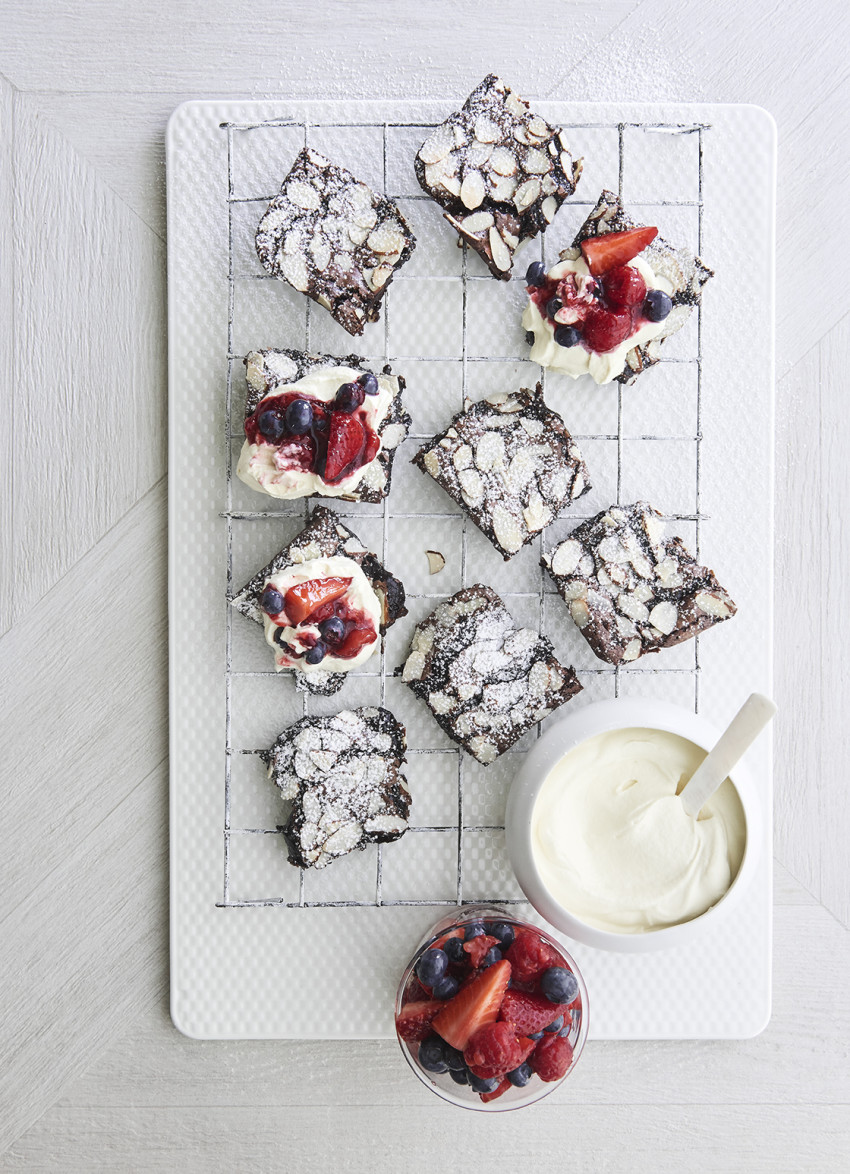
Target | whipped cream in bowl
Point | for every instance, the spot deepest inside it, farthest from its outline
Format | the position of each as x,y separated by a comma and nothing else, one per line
599,839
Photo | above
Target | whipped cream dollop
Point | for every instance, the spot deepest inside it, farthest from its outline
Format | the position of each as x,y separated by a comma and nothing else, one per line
612,840
360,597
259,464
577,360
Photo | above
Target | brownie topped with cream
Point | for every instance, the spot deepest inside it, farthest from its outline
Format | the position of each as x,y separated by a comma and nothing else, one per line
324,602
317,424
612,299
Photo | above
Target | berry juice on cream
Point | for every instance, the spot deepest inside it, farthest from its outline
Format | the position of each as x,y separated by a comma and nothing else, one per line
613,843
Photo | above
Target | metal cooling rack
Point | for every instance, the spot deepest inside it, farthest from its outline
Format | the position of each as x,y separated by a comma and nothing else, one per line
231,516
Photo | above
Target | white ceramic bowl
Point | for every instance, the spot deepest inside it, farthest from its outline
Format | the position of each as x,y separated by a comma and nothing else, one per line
624,713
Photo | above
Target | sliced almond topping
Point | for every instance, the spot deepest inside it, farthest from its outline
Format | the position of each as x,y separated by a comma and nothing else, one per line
321,250
432,463
632,607
536,162
664,617
490,452
501,255
566,557
566,162
536,514
538,126
549,208
503,161
294,269
633,649
472,189
526,194
303,195
462,457
386,239
515,105
471,485
436,146
713,605
506,529
486,131
477,222
380,277
477,155
503,188
580,613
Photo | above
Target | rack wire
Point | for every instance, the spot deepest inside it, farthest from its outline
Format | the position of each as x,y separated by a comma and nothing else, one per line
544,597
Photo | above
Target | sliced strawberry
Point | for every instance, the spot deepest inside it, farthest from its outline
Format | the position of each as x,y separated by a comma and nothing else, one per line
604,330
476,948
529,1013
552,1057
486,1097
624,287
474,1005
493,1050
301,601
354,641
610,249
529,956
414,1020
346,441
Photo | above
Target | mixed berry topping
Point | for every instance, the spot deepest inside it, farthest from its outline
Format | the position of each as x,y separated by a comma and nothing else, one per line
491,1006
601,310
322,604
332,440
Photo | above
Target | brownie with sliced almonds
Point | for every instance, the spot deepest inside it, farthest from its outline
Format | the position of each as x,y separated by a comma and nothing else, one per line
510,462
629,589
324,602
485,680
499,170
344,777
334,239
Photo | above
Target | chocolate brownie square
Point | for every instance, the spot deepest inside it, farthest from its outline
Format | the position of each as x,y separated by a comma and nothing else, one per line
286,465
500,171
334,239
485,680
511,463
344,777
345,600
630,590
565,339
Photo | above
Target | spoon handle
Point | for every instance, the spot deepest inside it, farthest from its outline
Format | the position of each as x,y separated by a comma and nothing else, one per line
741,732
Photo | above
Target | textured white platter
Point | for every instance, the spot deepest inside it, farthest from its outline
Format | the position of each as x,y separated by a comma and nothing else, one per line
259,950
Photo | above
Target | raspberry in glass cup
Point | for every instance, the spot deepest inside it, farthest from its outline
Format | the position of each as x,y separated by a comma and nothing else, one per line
491,1012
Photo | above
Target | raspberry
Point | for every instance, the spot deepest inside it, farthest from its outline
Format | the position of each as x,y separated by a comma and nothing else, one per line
624,287
476,948
414,1020
493,1050
604,330
529,956
552,1057
528,1013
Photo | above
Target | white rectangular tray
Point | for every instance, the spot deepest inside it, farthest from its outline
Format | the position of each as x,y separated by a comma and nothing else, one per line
258,949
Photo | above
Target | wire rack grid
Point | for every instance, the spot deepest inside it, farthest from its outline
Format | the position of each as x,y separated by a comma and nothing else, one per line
543,595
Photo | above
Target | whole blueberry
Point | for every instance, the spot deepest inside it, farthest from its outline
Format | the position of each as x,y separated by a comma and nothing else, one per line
368,382
520,1076
446,988
567,336
279,638
299,417
271,601
454,950
479,1085
502,931
555,1025
553,306
493,955
474,930
453,1058
558,984
431,1054
536,1035
535,274
349,397
657,305
332,629
316,654
459,1077
271,423
432,966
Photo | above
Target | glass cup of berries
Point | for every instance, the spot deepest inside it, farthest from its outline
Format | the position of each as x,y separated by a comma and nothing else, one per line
491,1012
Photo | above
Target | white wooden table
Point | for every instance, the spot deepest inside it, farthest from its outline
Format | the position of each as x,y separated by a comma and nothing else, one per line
92,1075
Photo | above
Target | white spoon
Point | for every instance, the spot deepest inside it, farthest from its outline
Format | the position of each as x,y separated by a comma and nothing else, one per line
739,735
